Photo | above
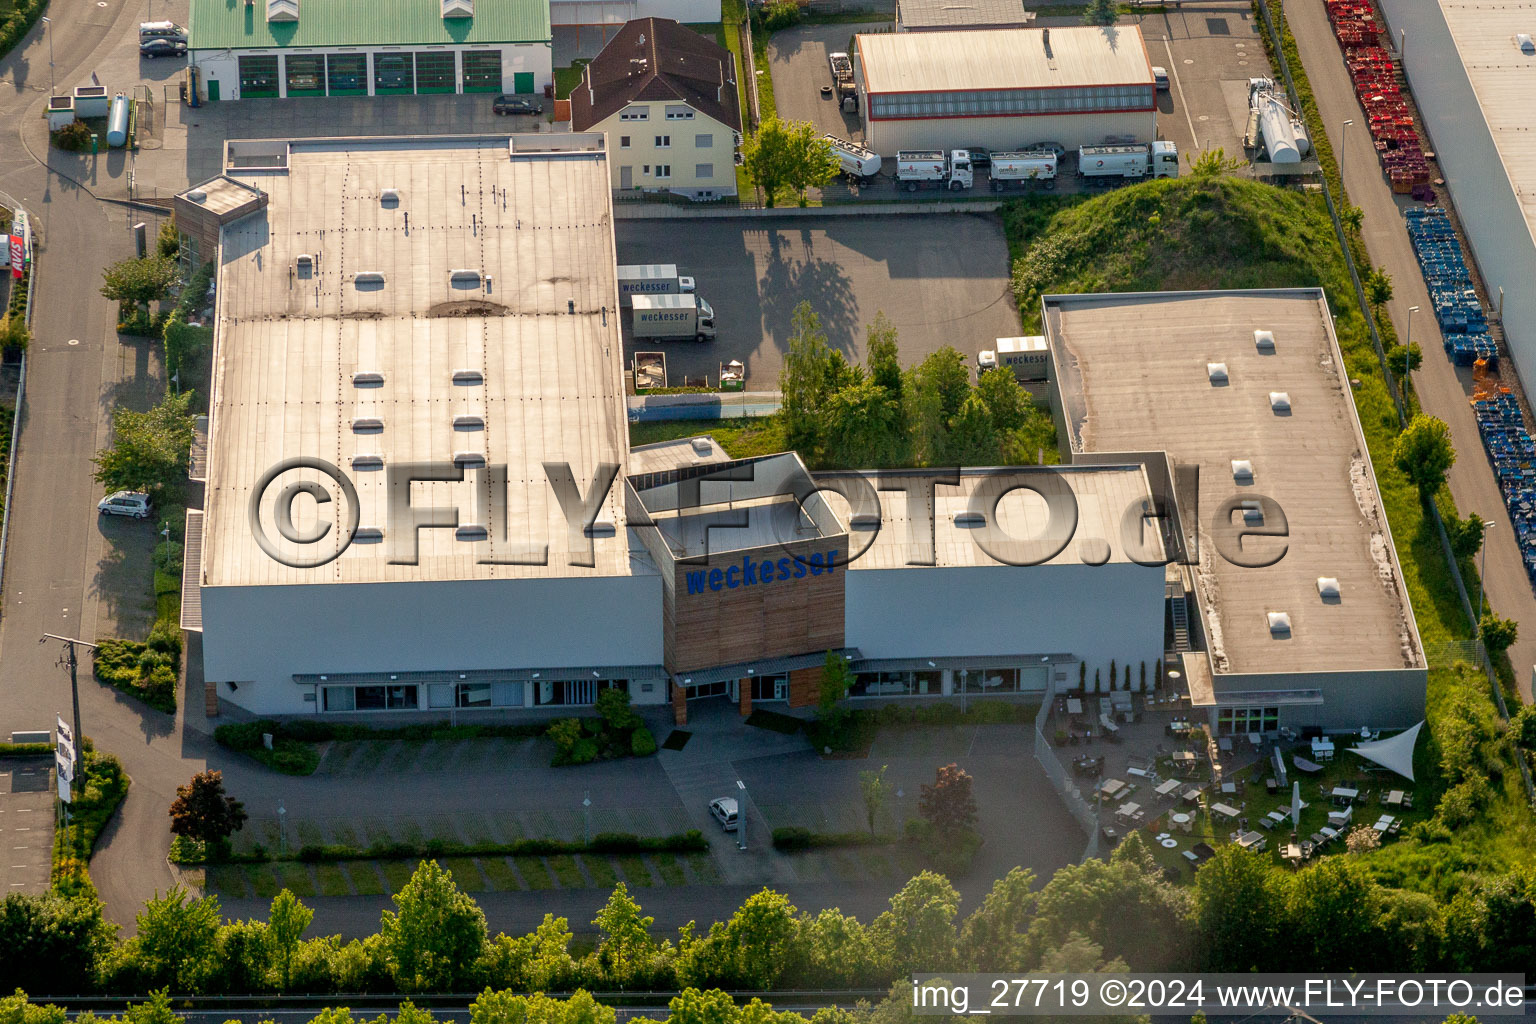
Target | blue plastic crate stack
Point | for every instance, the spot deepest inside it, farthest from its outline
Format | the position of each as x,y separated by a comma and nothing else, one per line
1460,315
1513,454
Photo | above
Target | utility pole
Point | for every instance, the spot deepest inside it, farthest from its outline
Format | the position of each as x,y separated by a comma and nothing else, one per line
72,662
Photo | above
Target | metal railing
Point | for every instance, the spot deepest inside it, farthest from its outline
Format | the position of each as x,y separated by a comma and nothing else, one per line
21,393
1062,781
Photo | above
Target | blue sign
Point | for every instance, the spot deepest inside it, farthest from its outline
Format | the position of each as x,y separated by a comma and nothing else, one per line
750,573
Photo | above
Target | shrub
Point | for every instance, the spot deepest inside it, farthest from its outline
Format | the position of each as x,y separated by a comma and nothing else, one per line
642,743
584,752
141,670
14,336
780,14
793,838
566,732
73,137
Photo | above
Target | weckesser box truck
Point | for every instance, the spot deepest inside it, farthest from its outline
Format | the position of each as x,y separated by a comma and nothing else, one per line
674,317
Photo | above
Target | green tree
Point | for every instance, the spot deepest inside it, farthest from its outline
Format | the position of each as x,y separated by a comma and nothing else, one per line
1239,905
1331,913
613,705
140,282
504,1007
176,938
52,942
1522,727
1497,634
788,155
971,440
150,451
918,932
834,951
154,1010
1352,217
1400,355
435,934
835,681
14,336
202,811
1101,12
286,922
168,239
625,945
691,1006
15,1009
1466,535
1125,906
760,937
1423,451
875,790
1378,288
1006,402
805,381
862,425
1212,163
883,359
992,937
948,804
1491,924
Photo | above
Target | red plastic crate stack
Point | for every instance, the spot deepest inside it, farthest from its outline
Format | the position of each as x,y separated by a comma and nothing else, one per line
1388,117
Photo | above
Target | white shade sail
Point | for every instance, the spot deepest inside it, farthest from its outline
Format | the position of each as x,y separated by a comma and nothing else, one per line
1395,754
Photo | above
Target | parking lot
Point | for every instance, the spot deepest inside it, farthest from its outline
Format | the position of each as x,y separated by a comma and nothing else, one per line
26,826
797,59
942,280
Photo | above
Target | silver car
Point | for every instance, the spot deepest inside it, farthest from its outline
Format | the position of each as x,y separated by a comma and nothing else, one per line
724,810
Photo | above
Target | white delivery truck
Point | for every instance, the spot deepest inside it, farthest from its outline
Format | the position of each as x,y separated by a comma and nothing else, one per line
673,317
859,164
1149,160
1029,358
1035,166
651,279
950,170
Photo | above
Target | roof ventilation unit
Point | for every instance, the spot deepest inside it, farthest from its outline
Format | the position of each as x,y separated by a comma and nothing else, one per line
368,535
367,379
1218,374
1253,512
458,8
367,425
282,10
471,532
970,520
368,279
464,278
197,195
1523,40
368,463
864,521
469,460
390,197
1279,401
703,446
469,423
306,261
1328,588
1279,624
1264,341
1242,471
468,378
600,528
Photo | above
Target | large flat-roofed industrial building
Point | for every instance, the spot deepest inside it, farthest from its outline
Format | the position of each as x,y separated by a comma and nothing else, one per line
421,497
1305,621
1005,88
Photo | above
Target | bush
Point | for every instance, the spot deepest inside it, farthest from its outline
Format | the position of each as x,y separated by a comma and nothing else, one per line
147,671
584,752
642,743
14,336
136,321
780,14
73,137
692,841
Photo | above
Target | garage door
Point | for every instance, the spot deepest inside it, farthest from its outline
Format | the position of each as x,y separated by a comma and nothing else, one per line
347,74
1032,679
482,71
258,77
393,74
435,72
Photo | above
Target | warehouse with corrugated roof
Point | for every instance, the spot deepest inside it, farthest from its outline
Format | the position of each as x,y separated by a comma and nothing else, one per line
1005,88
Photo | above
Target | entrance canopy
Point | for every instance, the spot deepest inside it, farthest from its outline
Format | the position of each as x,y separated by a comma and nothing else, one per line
1395,754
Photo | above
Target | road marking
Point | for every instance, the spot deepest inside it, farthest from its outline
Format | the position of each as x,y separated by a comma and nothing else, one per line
21,830
74,341
1174,71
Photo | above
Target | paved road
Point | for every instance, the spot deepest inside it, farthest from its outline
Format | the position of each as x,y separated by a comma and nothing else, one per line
1442,389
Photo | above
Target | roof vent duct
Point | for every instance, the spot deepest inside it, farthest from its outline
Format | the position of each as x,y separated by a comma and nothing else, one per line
282,10
1279,624
1280,402
458,8
1264,341
1328,588
1218,374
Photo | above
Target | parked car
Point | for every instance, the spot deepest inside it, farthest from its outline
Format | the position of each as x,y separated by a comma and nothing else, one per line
1160,76
979,157
516,105
125,503
1054,147
724,810
149,49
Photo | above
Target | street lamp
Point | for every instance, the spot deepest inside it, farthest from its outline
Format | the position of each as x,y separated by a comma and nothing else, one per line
49,30
282,828
586,810
1343,134
1408,355
963,673
1482,575
741,816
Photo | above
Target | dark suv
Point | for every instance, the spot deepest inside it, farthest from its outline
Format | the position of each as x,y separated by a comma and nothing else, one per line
516,105
979,156
152,48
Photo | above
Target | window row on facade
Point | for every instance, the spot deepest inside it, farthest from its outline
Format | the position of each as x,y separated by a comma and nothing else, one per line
493,694
1006,102
389,72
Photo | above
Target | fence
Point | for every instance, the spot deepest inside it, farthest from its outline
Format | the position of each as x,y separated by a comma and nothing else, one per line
1398,397
1062,781
21,394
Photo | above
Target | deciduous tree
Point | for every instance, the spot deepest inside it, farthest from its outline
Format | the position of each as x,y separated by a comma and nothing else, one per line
1423,451
1498,634
176,937
150,451
204,812
918,932
140,282
875,790
434,935
286,922
947,804
625,943
1239,908
789,155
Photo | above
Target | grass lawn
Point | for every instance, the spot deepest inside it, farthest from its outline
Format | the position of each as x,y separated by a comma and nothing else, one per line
534,872
296,877
500,874
702,867
636,872
600,871
364,876
397,873
226,879
465,873
741,438
567,79
567,872
669,868
263,881
333,880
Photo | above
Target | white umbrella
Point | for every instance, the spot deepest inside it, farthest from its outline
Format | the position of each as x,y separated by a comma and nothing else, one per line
1296,804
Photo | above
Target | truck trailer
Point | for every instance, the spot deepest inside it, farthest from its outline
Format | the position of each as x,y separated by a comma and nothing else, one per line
1148,160
651,279
950,170
673,317
859,164
1029,358
1036,166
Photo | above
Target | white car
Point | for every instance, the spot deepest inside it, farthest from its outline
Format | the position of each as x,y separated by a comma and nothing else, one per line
1160,76
125,503
724,810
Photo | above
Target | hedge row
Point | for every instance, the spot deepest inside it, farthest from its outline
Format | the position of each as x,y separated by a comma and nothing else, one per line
15,27
245,736
25,749
692,841
804,839
147,670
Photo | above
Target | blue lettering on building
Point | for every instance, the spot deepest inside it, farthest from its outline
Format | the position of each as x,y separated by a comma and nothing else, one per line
754,571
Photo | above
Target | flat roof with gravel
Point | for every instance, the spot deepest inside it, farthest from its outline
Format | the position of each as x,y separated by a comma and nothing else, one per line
1184,372
973,60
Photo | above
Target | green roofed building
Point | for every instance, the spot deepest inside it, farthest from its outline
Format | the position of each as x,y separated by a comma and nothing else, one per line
250,49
